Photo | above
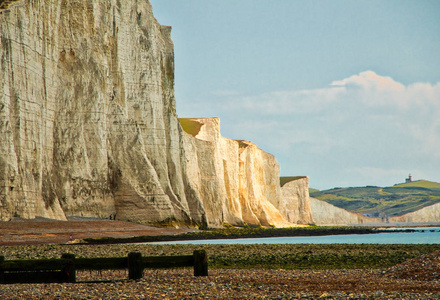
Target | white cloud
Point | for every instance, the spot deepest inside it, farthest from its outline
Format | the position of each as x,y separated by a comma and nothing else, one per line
377,102
366,90
366,121
369,80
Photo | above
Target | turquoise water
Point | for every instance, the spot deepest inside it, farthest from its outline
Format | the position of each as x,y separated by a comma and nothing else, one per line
428,235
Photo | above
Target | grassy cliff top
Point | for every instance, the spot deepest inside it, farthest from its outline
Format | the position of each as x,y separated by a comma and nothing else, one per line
396,200
190,126
284,180
420,183
5,3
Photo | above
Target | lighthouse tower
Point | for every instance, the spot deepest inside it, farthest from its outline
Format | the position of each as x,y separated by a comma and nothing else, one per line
409,179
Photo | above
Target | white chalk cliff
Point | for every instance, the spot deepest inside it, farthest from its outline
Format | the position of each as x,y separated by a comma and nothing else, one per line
327,214
88,122
237,182
88,126
294,202
429,214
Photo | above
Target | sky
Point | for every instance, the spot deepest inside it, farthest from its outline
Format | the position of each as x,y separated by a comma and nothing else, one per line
345,92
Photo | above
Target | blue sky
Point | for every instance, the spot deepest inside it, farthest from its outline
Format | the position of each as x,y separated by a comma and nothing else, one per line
345,92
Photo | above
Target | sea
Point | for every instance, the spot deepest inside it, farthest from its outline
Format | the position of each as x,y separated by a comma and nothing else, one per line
416,235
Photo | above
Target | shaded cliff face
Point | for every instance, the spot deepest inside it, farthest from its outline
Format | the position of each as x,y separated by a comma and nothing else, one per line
327,214
87,114
294,201
429,214
237,182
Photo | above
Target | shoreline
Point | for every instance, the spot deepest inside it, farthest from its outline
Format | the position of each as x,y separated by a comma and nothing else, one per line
237,233
104,231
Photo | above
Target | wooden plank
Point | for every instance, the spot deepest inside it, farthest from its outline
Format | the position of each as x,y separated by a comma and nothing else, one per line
200,263
64,269
168,261
34,277
166,264
69,270
135,267
31,265
2,272
101,263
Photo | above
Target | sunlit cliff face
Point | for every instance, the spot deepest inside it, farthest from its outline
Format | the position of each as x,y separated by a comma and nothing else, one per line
88,125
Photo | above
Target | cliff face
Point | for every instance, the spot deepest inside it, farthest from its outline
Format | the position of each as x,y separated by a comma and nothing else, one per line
237,182
429,214
294,201
88,123
327,214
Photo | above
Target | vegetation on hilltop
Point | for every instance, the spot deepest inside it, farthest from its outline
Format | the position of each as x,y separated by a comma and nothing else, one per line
276,256
388,201
190,126
5,3
284,180
420,183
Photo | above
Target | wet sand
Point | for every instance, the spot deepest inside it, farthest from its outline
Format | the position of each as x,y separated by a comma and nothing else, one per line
45,231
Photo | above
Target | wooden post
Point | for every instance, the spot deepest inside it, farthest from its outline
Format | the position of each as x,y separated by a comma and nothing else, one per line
200,263
69,270
2,272
135,266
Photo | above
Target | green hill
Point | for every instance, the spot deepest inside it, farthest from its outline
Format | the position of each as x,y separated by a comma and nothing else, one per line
377,201
312,190
420,183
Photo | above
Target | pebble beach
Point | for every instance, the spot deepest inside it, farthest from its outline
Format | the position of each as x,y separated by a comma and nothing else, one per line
233,284
416,278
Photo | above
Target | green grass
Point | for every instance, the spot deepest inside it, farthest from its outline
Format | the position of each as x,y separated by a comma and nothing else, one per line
284,180
190,126
391,201
316,256
5,3
312,190
278,256
420,183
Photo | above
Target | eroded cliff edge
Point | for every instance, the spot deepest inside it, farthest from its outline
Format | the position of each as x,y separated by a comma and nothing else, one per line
237,182
88,125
